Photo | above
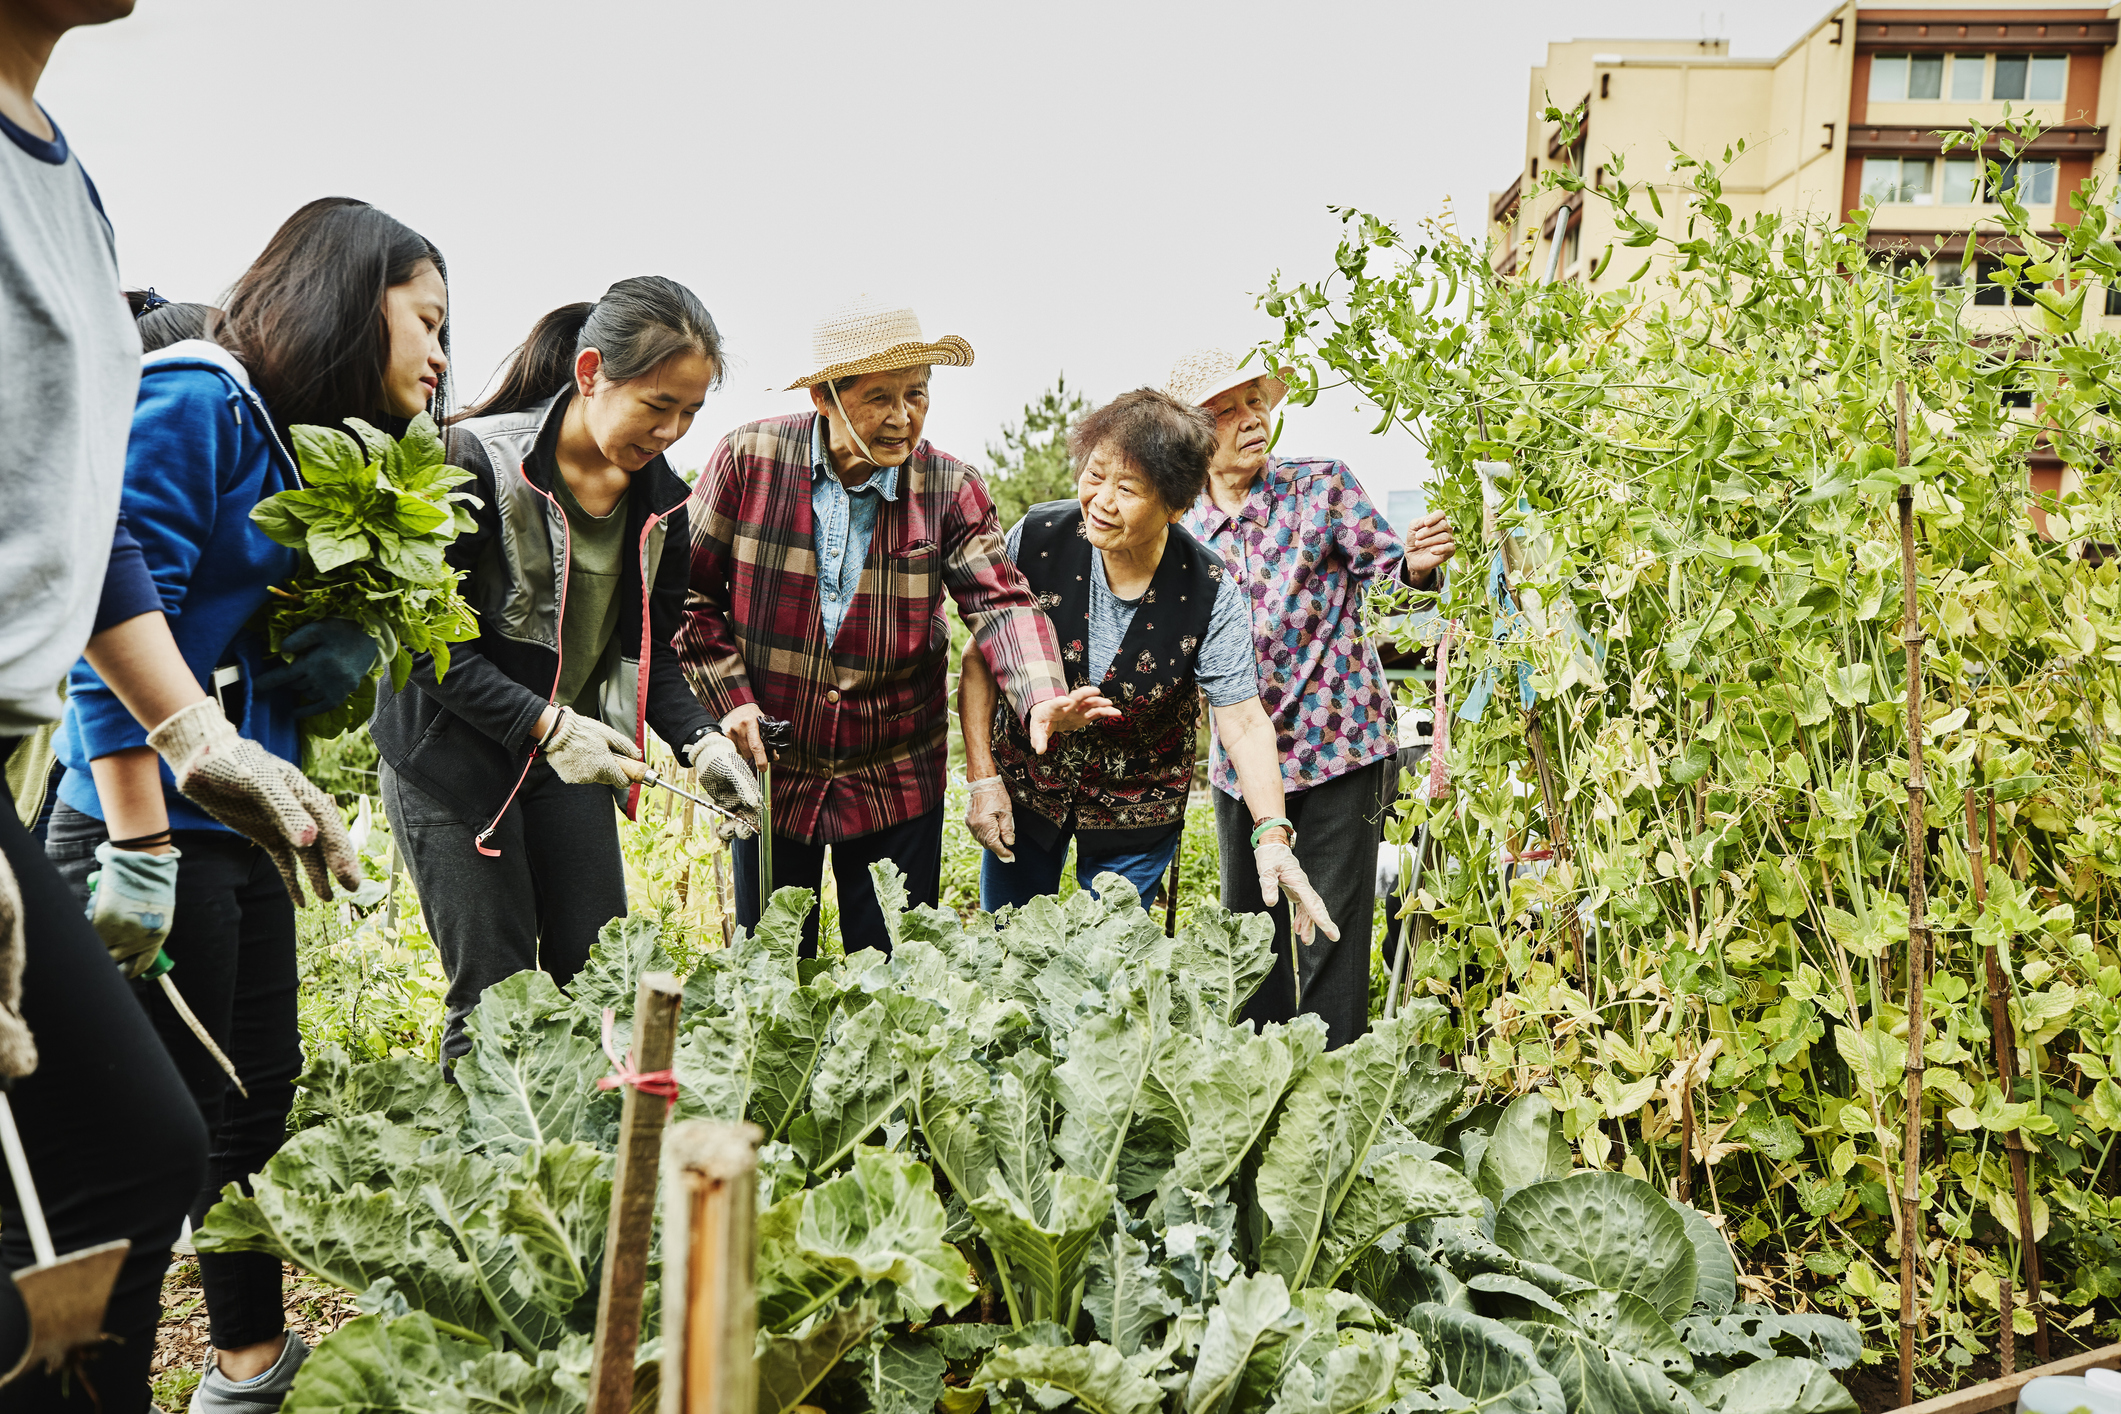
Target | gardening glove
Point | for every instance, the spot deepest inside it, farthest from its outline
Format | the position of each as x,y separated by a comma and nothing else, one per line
18,1050
132,900
583,751
992,818
726,778
1278,870
331,658
260,797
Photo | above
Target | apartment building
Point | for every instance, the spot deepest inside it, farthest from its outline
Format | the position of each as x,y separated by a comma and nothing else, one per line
1848,113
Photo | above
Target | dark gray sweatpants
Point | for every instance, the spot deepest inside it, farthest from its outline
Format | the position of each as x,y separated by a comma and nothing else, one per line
1336,843
556,880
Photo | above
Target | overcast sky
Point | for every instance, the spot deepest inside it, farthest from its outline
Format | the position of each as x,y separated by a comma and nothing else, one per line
1087,187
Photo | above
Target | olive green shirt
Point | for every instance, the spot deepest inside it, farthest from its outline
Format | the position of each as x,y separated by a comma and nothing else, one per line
596,562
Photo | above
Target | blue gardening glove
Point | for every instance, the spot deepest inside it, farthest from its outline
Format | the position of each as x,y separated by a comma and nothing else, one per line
132,900
332,657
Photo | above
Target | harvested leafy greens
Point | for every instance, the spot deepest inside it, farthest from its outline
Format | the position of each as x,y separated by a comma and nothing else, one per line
1026,1168
370,534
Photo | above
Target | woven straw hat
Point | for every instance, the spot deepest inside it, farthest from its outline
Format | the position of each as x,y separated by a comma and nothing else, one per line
1205,374
863,336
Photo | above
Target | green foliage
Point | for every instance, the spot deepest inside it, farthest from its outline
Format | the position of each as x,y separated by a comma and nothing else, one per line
1037,1161
1689,486
1031,463
369,535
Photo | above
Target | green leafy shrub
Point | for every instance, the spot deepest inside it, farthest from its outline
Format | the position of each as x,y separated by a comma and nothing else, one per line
370,535
1013,1166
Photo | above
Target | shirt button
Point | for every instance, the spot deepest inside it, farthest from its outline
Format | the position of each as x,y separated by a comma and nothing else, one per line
833,695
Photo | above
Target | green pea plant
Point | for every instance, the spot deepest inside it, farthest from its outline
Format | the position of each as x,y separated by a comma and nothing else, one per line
1677,668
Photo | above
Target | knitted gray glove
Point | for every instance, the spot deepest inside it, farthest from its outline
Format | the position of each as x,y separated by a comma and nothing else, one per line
583,751
725,776
18,1049
259,796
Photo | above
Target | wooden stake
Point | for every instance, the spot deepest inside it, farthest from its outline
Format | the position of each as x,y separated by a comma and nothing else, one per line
710,1253
618,1333
1685,1191
1917,920
2005,1043
2007,1335
1558,832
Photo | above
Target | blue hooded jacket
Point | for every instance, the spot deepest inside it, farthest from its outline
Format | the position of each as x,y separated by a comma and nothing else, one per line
203,452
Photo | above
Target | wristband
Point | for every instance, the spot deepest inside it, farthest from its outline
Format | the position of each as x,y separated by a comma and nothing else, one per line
1265,825
559,720
140,842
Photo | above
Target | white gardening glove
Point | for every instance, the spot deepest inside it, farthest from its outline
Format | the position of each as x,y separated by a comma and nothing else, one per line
992,818
132,900
583,751
1278,870
727,779
259,796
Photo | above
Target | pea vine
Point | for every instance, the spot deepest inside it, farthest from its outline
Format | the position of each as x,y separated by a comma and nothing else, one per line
1687,485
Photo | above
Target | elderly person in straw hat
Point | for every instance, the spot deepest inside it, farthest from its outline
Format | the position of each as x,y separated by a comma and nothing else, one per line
822,545
1305,544
1150,617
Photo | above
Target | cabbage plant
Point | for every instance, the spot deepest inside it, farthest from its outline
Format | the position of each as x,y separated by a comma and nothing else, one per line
1023,1166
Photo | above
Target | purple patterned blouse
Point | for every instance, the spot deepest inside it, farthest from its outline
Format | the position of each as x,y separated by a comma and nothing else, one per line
1305,548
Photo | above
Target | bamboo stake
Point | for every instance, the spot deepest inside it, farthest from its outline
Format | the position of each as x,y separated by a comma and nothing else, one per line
710,1247
618,1330
1559,832
2006,1047
1917,918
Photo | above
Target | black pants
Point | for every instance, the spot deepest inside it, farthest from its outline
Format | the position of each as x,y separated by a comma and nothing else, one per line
915,846
1336,843
233,943
539,902
115,1145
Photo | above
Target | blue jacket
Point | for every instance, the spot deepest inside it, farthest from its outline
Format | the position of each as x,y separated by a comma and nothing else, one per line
203,452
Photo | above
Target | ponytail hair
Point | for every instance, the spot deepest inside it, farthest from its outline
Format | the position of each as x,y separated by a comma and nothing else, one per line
637,326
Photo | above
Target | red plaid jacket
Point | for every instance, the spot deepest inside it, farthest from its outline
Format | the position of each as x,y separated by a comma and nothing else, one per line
871,725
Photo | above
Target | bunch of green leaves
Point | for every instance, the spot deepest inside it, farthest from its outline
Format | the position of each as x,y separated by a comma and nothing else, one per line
370,526
1023,1165
1688,551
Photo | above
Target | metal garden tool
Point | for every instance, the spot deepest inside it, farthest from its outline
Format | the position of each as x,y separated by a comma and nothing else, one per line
777,736
655,778
65,1296
159,970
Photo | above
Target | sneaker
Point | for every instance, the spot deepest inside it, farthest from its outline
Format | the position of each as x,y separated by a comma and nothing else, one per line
218,1394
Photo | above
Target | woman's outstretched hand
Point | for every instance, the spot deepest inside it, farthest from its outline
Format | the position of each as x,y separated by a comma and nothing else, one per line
1072,713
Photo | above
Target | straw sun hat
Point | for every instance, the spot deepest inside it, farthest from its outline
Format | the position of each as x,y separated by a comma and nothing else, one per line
1205,374
864,336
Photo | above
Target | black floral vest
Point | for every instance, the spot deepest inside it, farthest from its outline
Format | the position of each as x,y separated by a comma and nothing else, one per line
1125,779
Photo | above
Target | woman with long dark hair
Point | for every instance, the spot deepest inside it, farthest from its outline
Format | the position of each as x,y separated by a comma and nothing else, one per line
341,316
499,776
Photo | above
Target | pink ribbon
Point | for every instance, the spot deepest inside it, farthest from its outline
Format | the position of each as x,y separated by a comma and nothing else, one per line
661,1083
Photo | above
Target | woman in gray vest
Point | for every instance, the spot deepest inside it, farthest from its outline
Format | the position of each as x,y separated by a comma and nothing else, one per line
1145,613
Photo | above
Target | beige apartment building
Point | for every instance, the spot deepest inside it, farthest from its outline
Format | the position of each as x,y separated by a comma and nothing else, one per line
1848,112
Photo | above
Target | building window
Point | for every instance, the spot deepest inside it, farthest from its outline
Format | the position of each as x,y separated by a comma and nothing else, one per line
1899,181
2033,178
1912,181
1987,291
2030,78
1968,78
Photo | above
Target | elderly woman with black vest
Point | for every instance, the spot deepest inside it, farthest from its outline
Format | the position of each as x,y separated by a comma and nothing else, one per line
1147,615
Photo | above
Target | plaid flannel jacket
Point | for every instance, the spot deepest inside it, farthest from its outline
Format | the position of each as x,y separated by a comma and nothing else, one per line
871,723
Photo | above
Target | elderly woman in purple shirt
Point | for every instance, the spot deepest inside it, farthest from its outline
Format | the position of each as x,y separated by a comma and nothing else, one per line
1305,544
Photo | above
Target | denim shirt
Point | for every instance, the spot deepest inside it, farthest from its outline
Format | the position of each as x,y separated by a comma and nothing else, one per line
845,521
